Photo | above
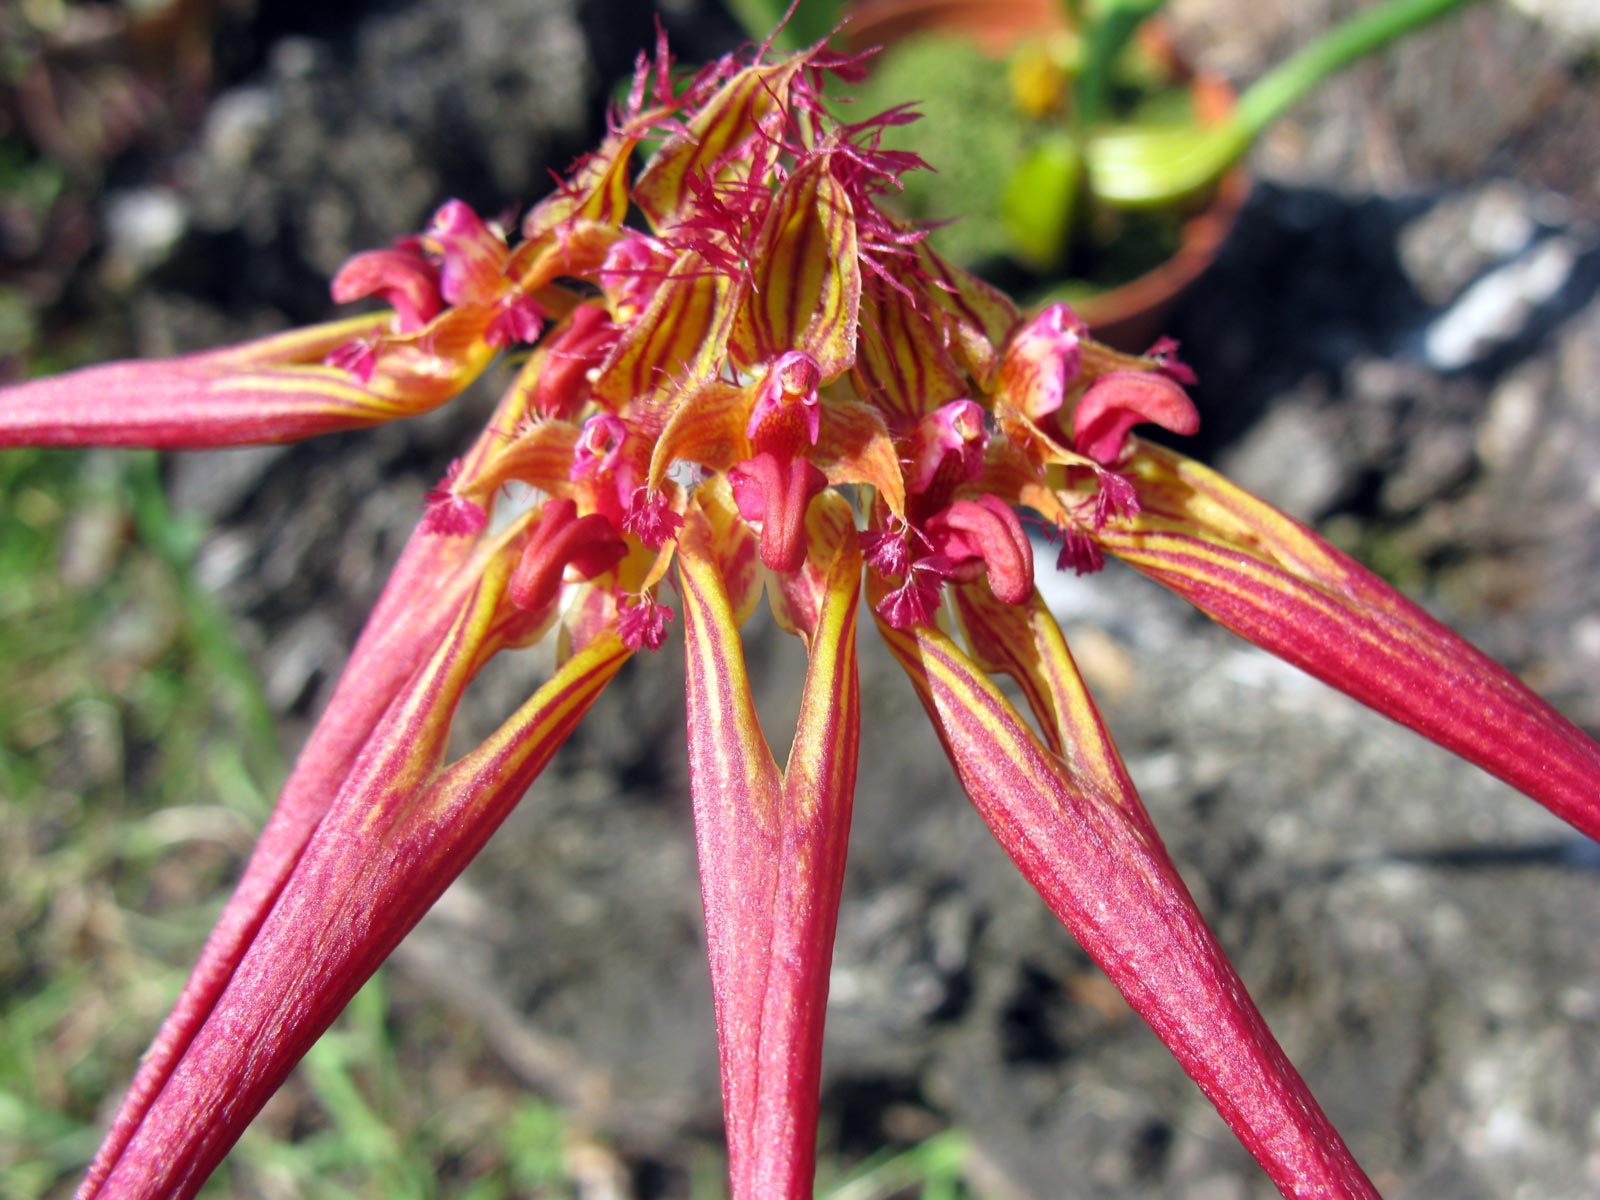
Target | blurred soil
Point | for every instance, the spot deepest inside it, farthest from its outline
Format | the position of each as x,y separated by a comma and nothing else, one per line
1401,344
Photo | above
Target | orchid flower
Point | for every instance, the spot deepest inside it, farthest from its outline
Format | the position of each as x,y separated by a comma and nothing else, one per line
776,388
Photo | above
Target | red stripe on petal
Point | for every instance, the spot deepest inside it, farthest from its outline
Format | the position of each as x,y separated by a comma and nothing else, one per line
273,390
807,278
1273,581
398,833
772,848
1097,862
425,588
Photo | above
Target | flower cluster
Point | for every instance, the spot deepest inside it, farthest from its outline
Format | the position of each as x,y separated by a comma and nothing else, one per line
775,388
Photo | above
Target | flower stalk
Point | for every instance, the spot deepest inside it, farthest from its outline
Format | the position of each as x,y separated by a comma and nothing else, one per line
775,390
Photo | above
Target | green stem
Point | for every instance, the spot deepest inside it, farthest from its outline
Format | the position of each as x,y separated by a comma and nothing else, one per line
1278,90
936,1164
811,21
1134,166
177,543
1104,38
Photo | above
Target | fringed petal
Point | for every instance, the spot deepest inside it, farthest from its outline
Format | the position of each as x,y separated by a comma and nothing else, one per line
979,316
807,285
746,114
596,191
678,341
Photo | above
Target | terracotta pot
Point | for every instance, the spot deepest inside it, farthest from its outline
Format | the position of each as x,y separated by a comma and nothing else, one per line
997,25
1129,316
1132,315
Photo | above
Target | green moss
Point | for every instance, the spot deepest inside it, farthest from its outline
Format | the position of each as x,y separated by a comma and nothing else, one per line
970,134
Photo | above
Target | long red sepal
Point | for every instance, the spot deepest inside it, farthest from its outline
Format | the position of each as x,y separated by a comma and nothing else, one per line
276,389
399,831
1271,580
1079,833
417,602
772,845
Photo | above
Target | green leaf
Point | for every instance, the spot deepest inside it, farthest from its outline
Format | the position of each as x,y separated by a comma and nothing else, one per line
1040,202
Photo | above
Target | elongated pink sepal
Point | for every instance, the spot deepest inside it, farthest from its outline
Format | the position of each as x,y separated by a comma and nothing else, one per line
277,389
1273,581
1079,833
771,846
400,829
424,591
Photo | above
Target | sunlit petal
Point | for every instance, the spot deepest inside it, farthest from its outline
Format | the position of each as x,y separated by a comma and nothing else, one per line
807,284
680,338
1096,860
901,360
399,831
1271,580
747,113
772,846
276,389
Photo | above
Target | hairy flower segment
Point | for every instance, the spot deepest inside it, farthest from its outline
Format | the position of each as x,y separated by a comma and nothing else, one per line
775,389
